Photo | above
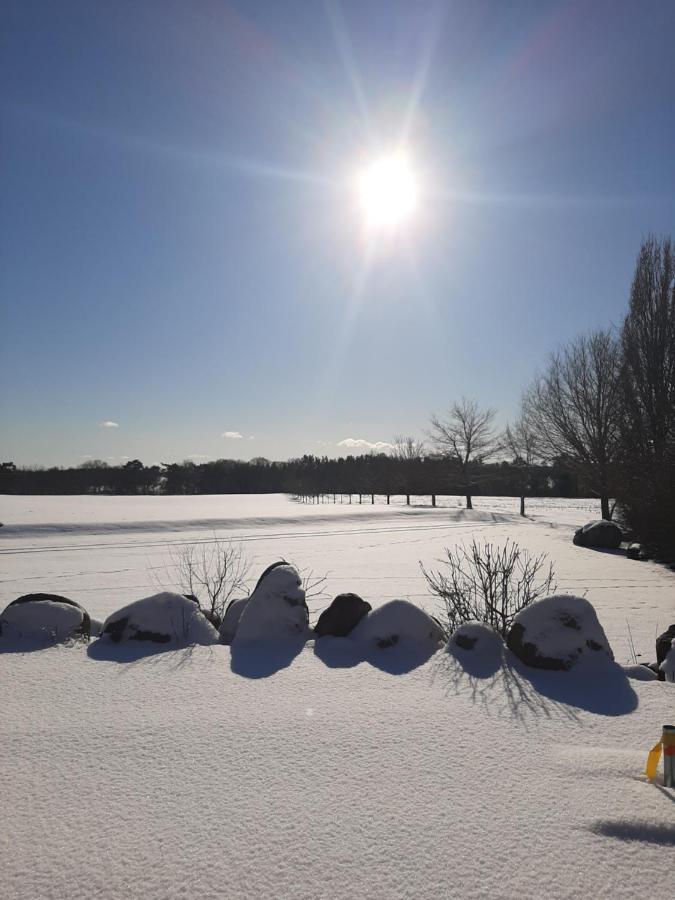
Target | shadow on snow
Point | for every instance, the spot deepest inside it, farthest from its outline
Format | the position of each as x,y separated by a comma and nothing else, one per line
501,683
344,653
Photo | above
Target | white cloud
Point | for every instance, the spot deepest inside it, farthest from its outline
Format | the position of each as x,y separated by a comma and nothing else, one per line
361,444
108,424
198,456
251,437
232,435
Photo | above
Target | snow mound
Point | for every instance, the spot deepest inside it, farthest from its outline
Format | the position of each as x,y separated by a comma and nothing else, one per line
44,617
230,623
396,621
276,609
162,618
557,632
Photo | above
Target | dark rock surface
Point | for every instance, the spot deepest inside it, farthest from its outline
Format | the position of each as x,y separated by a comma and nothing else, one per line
344,613
602,535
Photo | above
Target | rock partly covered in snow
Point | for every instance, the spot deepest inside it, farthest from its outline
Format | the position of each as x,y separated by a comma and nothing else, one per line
276,609
667,667
663,644
163,618
228,627
397,621
636,551
45,617
602,534
478,648
343,615
476,637
640,672
557,632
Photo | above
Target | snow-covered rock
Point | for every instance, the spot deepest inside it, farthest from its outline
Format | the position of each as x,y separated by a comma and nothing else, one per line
228,627
663,644
343,615
602,534
45,617
476,637
557,632
668,664
162,618
276,609
636,551
397,621
640,672
478,648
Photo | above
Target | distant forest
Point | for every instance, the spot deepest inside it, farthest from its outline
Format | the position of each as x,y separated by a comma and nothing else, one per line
308,476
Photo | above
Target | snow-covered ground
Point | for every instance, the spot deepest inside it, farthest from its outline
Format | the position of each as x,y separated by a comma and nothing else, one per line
180,774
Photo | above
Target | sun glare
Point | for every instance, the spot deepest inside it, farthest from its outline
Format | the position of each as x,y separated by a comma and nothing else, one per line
388,192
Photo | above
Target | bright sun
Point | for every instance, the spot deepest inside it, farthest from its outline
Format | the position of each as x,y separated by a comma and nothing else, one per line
388,192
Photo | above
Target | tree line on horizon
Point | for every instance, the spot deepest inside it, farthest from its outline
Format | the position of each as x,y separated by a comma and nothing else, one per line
598,420
405,473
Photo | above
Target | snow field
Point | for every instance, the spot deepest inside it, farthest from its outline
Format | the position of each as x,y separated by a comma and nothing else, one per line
182,774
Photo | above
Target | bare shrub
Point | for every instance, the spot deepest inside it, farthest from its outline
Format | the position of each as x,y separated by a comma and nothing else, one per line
212,572
488,583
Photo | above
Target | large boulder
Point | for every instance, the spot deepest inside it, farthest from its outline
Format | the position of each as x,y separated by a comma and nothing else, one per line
344,614
602,534
45,617
230,623
164,618
397,621
663,644
557,633
277,608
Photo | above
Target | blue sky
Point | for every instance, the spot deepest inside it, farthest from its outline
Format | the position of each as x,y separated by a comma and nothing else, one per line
181,252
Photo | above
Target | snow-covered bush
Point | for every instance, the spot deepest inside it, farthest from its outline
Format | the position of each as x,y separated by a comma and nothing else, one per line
557,633
48,618
162,618
488,583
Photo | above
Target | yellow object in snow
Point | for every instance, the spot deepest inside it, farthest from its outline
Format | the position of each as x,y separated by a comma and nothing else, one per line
667,746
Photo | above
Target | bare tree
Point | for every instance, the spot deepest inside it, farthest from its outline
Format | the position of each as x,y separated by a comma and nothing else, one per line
408,451
218,569
520,439
466,436
574,408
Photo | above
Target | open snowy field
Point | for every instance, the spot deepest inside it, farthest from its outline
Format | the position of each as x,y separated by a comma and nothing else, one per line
175,774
